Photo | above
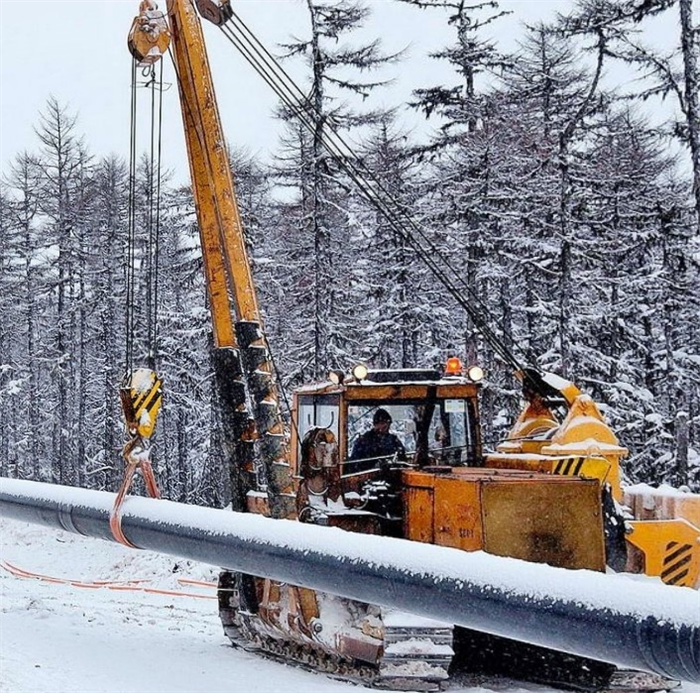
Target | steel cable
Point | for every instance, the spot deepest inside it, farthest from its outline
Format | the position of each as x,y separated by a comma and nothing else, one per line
131,230
156,249
368,184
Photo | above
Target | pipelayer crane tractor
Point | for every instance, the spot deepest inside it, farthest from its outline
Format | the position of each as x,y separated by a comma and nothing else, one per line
550,493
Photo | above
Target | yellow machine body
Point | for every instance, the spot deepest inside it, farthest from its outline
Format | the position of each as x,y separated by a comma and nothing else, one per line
440,494
527,512
483,510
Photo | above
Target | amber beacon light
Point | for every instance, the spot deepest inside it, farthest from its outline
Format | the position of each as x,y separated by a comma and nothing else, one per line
453,366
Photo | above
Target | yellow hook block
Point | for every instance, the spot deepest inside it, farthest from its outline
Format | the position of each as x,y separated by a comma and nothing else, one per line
141,396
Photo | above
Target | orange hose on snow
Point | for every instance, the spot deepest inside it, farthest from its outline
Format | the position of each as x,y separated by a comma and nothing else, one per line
119,586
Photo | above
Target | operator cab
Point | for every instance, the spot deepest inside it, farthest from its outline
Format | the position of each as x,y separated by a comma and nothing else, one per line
434,427
434,415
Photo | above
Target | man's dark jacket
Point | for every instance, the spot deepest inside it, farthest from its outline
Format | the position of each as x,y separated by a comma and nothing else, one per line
377,444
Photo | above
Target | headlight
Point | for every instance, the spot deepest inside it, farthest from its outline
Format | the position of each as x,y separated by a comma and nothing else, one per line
360,372
475,373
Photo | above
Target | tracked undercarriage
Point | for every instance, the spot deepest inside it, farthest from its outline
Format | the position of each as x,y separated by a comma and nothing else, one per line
387,649
344,638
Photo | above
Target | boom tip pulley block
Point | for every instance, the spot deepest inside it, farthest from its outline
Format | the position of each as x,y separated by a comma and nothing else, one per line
215,11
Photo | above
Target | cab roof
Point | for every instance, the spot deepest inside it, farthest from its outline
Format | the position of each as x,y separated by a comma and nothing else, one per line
399,383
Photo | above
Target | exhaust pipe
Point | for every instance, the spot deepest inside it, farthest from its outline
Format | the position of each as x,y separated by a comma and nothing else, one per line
634,624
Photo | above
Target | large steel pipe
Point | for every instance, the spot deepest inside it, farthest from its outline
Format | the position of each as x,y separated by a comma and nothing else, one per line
636,624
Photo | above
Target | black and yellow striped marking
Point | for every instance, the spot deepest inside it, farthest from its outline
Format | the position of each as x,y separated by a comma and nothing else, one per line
676,565
141,398
591,467
148,399
570,466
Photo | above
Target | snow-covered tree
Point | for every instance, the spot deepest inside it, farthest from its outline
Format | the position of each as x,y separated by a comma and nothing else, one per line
336,64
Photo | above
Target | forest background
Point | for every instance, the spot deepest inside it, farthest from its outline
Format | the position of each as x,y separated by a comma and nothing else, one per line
575,219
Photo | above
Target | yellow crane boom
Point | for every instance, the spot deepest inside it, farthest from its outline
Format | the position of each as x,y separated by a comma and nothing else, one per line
223,240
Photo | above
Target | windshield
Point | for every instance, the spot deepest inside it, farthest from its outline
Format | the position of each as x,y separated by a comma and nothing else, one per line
436,432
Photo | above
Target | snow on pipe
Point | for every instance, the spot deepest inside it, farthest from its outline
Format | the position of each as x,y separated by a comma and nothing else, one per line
631,623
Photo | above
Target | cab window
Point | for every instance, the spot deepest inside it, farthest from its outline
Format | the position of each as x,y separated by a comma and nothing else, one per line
434,432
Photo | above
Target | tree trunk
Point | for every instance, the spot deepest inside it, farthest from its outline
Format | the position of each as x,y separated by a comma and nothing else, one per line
681,435
323,281
691,74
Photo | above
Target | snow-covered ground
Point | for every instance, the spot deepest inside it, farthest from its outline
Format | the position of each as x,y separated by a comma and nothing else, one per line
57,637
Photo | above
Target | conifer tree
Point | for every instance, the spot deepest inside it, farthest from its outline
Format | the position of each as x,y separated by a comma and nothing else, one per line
107,357
666,72
65,166
335,65
19,350
388,287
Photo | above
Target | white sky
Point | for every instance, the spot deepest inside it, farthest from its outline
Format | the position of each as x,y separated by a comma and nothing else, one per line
76,50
